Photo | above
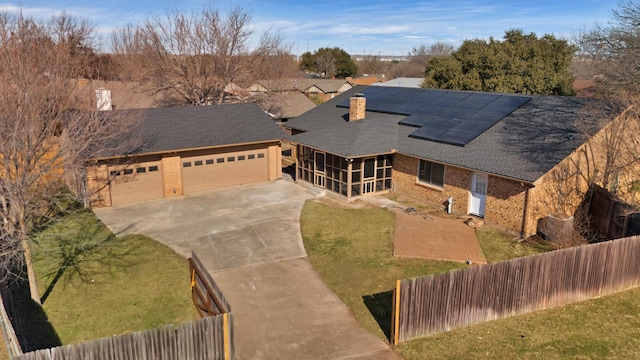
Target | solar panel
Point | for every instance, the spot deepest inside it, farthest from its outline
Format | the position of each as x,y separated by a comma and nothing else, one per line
482,98
429,110
452,117
516,101
445,103
456,137
417,120
458,114
473,126
471,105
427,133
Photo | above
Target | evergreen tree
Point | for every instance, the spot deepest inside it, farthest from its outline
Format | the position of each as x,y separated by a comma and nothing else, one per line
521,63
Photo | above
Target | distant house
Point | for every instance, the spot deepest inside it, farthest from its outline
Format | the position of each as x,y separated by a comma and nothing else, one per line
495,156
402,82
183,150
324,88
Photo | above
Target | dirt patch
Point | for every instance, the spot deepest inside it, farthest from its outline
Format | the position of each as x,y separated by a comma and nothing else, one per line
420,235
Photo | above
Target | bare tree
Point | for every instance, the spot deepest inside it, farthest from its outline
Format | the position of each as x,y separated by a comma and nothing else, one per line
44,142
326,64
192,58
371,64
615,47
422,54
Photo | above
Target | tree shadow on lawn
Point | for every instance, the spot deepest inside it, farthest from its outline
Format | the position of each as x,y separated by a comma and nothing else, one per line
380,305
82,251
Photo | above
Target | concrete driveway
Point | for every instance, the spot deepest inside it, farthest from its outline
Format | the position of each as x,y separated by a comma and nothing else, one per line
249,239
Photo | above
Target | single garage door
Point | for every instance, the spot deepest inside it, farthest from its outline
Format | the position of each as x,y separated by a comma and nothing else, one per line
215,171
136,182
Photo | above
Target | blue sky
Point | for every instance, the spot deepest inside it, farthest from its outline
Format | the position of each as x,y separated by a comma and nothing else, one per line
359,27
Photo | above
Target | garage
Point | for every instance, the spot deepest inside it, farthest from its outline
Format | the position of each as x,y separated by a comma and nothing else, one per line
213,171
135,182
183,150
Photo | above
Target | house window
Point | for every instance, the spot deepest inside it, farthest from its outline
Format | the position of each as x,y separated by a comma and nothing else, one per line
431,173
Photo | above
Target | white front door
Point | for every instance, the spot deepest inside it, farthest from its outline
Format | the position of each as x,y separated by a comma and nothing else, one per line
478,194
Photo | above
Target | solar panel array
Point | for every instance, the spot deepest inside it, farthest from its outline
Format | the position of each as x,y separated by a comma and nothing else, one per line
452,117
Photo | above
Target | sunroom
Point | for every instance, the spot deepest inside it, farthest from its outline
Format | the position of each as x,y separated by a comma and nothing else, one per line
348,177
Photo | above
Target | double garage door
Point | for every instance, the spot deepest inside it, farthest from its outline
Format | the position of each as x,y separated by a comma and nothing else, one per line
214,171
136,182
144,180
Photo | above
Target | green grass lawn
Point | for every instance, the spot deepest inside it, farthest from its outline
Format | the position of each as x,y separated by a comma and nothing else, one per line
351,250
95,284
498,246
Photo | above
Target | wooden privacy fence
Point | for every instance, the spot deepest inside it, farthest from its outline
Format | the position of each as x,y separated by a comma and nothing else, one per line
199,339
206,294
437,303
611,217
208,338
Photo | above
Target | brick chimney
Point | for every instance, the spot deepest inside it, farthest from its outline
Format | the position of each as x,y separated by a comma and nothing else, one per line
357,107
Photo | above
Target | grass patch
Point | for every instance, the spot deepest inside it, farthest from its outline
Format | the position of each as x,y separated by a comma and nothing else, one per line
595,329
95,284
351,250
498,246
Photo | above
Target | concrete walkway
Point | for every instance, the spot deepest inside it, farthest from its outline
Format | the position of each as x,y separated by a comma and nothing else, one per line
249,239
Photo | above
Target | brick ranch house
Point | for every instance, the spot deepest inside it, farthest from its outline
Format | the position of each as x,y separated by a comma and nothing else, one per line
182,150
495,155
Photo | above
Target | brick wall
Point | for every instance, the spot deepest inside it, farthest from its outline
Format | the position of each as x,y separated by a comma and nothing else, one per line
505,202
505,198
457,183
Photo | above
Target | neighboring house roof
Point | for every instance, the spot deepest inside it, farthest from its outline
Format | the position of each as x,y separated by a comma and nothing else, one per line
286,105
326,85
365,80
192,127
402,82
124,95
524,145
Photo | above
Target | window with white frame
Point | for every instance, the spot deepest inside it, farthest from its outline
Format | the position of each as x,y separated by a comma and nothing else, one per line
431,173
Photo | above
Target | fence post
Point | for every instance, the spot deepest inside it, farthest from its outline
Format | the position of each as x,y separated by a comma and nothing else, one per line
395,314
227,344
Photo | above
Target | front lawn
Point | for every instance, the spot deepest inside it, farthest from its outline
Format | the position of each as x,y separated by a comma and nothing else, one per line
351,250
95,284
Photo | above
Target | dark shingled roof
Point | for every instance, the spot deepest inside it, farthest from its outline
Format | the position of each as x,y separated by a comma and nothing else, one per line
524,145
191,127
